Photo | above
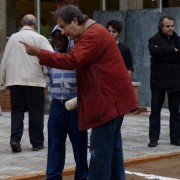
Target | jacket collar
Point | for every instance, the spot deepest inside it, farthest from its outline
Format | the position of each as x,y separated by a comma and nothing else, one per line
27,28
87,24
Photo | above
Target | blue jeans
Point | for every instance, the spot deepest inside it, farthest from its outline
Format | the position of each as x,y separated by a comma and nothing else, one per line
60,124
106,161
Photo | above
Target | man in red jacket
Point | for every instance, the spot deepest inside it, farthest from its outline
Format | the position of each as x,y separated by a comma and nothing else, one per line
105,92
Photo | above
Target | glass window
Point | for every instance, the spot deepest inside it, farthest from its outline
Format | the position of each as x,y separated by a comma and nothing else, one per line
112,4
89,6
18,8
173,3
165,3
150,3
47,20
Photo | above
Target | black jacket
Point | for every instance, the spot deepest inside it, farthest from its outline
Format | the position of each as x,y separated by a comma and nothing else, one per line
165,63
127,56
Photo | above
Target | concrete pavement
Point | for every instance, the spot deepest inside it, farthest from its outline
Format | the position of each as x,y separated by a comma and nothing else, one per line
134,134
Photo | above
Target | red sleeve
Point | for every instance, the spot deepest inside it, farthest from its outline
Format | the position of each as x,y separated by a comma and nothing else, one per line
55,60
84,53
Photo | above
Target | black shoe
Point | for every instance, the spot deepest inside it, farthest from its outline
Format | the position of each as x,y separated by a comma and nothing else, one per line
16,147
152,144
38,148
176,143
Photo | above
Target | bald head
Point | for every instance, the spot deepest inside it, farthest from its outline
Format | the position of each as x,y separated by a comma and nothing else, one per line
29,20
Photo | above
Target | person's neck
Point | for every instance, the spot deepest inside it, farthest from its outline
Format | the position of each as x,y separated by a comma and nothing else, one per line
84,26
80,31
28,28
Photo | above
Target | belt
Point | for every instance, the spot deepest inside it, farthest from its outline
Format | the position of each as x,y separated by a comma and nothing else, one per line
62,101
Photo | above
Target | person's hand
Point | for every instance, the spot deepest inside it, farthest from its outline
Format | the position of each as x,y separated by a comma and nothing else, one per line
31,49
176,50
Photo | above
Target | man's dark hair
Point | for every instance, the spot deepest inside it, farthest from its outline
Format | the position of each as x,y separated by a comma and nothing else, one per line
160,23
115,25
67,13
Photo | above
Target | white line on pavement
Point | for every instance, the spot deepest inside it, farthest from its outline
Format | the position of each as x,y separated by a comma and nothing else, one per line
150,176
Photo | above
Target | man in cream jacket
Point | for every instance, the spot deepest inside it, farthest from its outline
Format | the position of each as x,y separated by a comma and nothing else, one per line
24,77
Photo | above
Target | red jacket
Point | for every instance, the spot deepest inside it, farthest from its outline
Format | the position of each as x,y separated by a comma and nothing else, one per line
104,87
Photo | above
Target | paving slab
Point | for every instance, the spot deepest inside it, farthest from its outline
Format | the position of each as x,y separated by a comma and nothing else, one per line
134,133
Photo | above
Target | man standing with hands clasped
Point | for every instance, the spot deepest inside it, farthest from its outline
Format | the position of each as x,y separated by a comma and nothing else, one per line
165,78
105,92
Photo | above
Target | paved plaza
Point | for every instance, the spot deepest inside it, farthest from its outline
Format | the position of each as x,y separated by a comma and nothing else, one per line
134,134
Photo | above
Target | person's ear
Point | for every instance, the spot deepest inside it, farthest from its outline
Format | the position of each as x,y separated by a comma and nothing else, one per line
75,21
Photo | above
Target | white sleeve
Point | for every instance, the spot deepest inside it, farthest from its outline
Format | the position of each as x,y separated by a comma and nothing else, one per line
45,44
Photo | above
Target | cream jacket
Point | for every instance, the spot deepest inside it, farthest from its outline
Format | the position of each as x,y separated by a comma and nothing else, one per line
19,68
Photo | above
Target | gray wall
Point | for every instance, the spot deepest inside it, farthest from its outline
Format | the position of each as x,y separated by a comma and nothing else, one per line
104,16
139,26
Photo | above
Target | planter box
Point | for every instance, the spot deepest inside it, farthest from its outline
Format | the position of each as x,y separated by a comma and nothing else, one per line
140,108
136,86
6,105
5,100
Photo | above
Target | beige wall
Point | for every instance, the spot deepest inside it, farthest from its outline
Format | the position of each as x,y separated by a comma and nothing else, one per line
2,26
131,4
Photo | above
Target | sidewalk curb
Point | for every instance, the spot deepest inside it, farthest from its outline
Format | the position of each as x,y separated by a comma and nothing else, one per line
41,175
150,158
70,171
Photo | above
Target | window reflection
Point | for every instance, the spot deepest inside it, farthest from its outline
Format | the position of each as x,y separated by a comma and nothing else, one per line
18,8
165,3
112,4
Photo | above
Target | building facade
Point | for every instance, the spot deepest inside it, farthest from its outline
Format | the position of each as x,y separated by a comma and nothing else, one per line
13,11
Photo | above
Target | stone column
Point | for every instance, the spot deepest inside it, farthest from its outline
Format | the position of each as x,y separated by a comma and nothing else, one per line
2,33
2,26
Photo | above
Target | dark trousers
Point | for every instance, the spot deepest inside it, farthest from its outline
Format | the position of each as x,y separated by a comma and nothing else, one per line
30,99
60,124
157,101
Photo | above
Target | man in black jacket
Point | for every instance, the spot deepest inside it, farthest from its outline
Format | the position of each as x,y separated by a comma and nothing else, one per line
164,48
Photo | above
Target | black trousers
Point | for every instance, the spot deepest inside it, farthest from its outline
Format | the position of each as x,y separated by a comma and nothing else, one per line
157,101
27,99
